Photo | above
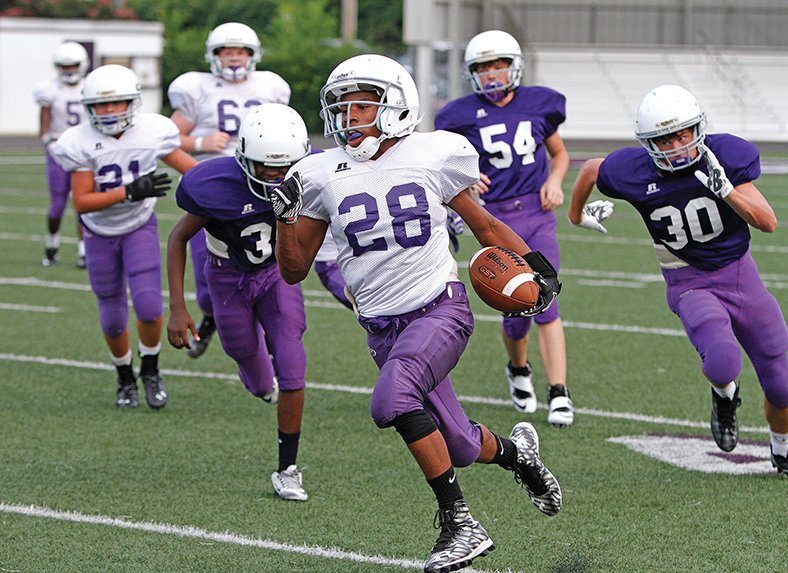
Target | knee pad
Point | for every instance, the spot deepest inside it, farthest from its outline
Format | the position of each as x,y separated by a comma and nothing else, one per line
414,426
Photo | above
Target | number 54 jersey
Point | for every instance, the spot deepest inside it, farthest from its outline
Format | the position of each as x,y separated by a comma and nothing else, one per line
388,216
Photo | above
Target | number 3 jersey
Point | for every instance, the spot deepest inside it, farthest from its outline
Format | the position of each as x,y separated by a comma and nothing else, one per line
213,104
510,139
388,216
241,227
688,223
115,162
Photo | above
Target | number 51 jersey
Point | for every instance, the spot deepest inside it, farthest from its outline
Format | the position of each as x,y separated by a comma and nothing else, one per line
388,216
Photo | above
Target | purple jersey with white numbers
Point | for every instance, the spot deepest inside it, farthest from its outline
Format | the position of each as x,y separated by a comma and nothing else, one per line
241,226
679,211
509,139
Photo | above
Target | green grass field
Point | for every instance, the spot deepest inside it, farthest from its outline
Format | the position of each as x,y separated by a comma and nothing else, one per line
85,487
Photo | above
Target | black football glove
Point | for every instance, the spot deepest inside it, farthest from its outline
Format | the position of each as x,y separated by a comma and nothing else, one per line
286,199
547,279
151,185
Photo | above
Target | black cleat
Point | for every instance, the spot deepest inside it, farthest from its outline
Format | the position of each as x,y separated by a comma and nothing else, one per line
780,463
155,393
462,539
724,426
205,331
127,388
50,257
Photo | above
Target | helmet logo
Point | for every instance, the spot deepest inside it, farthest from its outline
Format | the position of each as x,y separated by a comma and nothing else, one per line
667,122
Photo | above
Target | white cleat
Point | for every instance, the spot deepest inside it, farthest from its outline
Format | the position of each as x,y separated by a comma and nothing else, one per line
561,413
288,484
521,389
273,396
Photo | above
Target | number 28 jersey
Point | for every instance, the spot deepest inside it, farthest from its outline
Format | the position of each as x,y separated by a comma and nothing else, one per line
388,216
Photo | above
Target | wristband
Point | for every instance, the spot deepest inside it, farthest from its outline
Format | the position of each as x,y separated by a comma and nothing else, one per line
198,144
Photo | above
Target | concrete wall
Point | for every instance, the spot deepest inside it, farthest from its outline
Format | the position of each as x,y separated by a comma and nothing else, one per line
27,45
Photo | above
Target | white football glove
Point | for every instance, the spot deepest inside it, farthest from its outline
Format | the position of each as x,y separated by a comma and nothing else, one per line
286,199
716,181
594,214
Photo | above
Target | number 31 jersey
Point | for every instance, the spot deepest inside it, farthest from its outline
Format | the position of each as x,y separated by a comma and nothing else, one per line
388,216
213,104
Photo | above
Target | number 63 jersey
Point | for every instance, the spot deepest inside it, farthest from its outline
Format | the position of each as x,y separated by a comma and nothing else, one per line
388,216
688,223
213,104
115,162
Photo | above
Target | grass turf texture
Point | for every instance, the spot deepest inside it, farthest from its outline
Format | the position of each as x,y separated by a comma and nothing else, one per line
205,460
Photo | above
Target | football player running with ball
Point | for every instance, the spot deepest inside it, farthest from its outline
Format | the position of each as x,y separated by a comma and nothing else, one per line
523,163
258,312
384,193
696,195
209,109
114,184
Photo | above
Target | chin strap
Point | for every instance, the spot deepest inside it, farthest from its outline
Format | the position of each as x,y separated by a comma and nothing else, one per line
366,149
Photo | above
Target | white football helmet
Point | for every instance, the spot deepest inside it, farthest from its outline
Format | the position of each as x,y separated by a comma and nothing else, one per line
489,46
274,135
71,54
398,108
232,35
665,110
108,84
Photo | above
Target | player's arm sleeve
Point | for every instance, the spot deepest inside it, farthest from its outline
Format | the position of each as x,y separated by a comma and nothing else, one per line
603,181
183,95
556,112
741,160
43,95
184,197
460,169
170,138
311,201
68,154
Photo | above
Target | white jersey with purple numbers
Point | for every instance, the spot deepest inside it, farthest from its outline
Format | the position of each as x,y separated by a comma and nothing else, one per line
388,217
213,104
116,162
65,104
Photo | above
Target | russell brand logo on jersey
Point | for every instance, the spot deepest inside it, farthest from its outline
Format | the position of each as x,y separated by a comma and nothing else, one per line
342,167
247,209
652,188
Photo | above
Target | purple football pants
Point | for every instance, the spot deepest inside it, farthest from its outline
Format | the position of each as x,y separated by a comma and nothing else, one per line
111,262
330,277
59,188
727,307
537,228
257,313
415,353
199,255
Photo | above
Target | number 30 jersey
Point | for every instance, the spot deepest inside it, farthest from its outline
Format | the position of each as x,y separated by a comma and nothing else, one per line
687,222
510,139
388,216
241,227
213,104
116,162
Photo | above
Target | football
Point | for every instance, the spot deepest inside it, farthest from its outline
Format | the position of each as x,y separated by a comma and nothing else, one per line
503,280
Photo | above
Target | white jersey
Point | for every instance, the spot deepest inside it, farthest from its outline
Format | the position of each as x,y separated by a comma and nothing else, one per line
115,162
213,104
328,251
388,216
65,103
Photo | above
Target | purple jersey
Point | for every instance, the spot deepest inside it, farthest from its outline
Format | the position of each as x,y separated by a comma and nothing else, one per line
241,226
679,211
509,139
